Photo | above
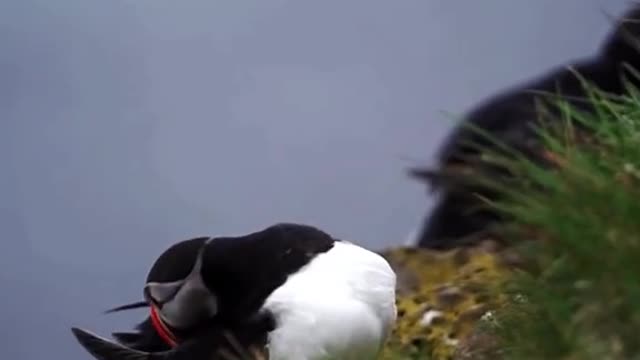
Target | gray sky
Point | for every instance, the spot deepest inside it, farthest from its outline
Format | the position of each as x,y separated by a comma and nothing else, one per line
128,125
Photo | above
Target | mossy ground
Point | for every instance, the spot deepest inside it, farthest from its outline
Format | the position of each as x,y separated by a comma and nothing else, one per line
441,295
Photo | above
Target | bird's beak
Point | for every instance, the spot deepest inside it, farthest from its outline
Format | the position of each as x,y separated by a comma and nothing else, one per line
154,293
135,305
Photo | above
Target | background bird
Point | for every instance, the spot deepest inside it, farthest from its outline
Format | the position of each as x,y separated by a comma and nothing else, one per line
461,216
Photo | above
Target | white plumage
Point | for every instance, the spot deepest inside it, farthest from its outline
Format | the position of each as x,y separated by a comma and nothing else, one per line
339,306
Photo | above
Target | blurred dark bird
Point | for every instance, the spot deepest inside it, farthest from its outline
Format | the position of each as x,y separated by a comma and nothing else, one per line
461,217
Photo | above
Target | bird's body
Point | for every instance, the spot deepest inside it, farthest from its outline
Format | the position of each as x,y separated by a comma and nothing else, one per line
289,289
342,304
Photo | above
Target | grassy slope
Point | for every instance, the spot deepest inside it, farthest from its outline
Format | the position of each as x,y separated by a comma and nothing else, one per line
583,302
578,227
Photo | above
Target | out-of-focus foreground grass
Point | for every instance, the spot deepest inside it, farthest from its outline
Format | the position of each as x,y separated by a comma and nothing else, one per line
575,228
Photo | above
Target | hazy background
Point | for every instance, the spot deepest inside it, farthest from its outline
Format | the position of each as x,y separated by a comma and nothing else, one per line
127,125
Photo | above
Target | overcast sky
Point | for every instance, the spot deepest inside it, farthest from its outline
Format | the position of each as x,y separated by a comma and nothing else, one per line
127,125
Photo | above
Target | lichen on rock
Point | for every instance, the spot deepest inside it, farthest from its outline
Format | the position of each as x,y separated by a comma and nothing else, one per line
441,296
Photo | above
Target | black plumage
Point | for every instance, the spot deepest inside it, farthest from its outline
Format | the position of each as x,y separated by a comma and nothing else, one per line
461,217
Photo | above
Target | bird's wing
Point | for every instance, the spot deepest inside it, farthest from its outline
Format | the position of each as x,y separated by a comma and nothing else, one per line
104,349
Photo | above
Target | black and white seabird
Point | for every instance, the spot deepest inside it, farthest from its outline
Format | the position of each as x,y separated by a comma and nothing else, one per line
292,289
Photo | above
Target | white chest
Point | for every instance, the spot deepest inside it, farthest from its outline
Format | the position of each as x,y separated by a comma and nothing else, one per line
340,306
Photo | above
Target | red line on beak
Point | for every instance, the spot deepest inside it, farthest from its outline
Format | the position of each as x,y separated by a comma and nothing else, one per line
161,328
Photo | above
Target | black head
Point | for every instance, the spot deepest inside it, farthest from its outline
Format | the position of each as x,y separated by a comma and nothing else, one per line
175,286
173,282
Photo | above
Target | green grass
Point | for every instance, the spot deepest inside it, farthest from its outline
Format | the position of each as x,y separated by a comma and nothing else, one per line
578,226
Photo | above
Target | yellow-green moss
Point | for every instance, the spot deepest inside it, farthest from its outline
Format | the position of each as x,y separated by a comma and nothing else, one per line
441,296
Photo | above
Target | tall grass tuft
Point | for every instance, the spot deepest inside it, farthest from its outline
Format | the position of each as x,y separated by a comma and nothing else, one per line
577,225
